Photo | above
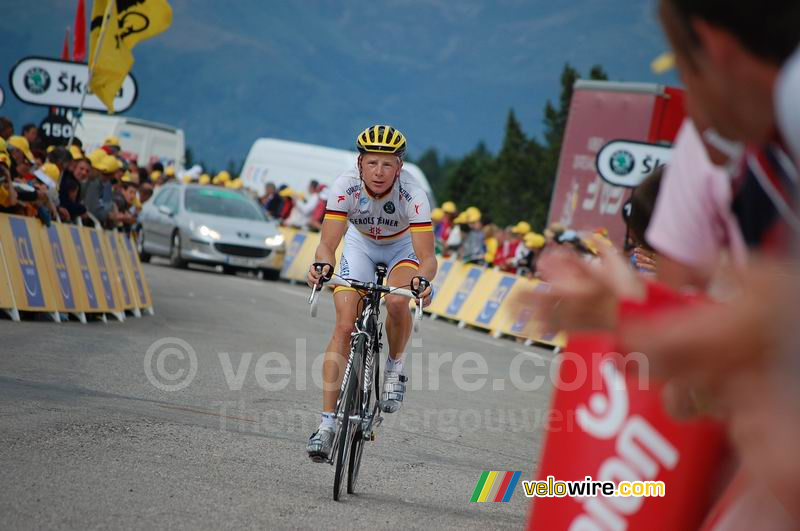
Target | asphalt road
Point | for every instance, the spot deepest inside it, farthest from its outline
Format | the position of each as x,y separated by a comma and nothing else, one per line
88,441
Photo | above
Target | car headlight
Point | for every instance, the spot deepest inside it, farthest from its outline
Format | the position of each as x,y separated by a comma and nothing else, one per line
274,241
208,233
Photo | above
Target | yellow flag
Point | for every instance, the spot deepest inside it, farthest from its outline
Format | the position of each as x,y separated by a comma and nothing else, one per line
129,21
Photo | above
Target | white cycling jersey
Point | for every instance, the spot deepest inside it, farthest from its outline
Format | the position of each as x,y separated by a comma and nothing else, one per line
386,219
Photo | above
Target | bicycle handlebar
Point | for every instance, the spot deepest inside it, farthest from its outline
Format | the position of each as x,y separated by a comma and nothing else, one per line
368,286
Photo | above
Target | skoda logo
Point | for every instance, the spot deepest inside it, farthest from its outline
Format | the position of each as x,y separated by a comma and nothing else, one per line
622,162
388,207
37,80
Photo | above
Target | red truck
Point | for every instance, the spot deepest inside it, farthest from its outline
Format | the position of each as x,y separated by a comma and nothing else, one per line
602,111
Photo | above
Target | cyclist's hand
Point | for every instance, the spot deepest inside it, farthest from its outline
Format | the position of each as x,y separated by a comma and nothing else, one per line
422,288
319,273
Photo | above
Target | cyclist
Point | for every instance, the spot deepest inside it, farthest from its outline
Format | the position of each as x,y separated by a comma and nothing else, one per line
384,217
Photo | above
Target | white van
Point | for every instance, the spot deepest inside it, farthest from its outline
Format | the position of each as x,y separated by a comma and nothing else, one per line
295,164
147,141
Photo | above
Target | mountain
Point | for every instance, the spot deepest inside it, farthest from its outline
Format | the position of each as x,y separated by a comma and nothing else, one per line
319,71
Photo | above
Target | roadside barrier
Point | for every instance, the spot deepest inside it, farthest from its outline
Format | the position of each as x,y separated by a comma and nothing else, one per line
67,269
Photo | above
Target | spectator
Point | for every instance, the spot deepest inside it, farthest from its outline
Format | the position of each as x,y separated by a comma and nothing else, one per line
287,194
533,243
31,133
637,215
169,174
450,211
491,243
6,128
99,191
304,206
145,192
111,145
221,178
458,232
124,197
318,215
513,250
204,180
472,247
272,201
48,176
21,155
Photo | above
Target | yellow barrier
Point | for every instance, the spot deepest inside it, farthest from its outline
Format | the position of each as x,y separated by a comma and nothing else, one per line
25,262
65,272
518,320
142,291
300,250
120,277
7,300
68,269
487,296
479,297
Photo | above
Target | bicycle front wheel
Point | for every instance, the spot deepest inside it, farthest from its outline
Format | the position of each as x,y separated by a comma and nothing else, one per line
366,408
348,407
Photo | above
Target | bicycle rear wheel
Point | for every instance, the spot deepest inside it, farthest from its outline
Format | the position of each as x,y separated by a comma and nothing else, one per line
348,407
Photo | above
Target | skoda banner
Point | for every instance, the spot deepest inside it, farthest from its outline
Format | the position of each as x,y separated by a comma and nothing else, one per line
627,163
55,83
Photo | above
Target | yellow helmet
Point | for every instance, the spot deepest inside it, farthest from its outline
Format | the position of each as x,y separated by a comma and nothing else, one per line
533,240
204,179
437,214
381,139
472,214
448,207
522,228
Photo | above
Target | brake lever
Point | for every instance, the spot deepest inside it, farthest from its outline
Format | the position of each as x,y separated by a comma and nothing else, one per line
313,300
417,315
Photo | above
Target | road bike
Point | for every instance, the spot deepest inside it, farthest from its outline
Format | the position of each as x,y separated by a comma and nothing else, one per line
357,410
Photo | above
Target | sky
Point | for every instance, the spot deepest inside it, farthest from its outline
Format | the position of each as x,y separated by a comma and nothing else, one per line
445,72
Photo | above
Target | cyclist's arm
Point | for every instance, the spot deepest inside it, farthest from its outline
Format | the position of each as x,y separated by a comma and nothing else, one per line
423,243
332,232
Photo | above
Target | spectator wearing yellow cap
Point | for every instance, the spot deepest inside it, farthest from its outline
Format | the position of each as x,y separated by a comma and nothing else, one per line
472,248
491,242
19,148
442,230
532,245
204,179
99,198
221,178
512,249
169,172
111,145
287,195
49,175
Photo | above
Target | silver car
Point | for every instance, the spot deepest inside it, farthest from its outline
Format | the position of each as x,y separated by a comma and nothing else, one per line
210,225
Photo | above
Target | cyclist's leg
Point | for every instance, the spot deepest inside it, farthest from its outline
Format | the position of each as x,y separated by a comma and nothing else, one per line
398,321
346,302
403,266
355,263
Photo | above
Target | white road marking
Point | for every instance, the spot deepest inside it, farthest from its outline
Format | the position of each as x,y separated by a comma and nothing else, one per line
532,354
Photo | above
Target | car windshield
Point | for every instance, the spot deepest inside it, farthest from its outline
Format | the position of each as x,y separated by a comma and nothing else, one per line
218,202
